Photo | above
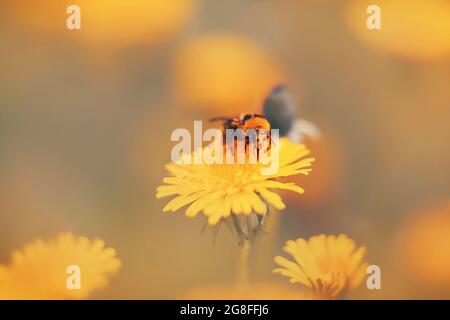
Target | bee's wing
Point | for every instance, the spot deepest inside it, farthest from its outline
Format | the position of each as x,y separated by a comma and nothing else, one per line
304,128
279,109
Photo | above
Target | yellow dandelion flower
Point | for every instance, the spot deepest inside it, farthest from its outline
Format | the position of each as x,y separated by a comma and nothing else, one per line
107,24
329,265
40,269
414,29
224,190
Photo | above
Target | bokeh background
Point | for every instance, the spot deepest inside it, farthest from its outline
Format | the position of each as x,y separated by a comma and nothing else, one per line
86,117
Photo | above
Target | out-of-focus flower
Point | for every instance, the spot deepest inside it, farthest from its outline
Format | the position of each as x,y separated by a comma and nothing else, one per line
329,265
39,271
411,28
116,23
424,247
221,190
258,291
225,73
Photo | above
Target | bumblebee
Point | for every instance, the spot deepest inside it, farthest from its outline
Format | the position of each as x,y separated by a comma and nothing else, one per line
278,112
245,122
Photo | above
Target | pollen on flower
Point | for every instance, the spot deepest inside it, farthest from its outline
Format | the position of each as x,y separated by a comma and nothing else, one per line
329,265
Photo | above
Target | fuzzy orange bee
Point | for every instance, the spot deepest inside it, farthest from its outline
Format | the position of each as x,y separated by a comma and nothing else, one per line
246,122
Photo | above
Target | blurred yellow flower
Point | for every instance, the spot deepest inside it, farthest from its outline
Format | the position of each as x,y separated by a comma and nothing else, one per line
329,265
415,29
220,190
224,72
114,23
40,270
424,247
